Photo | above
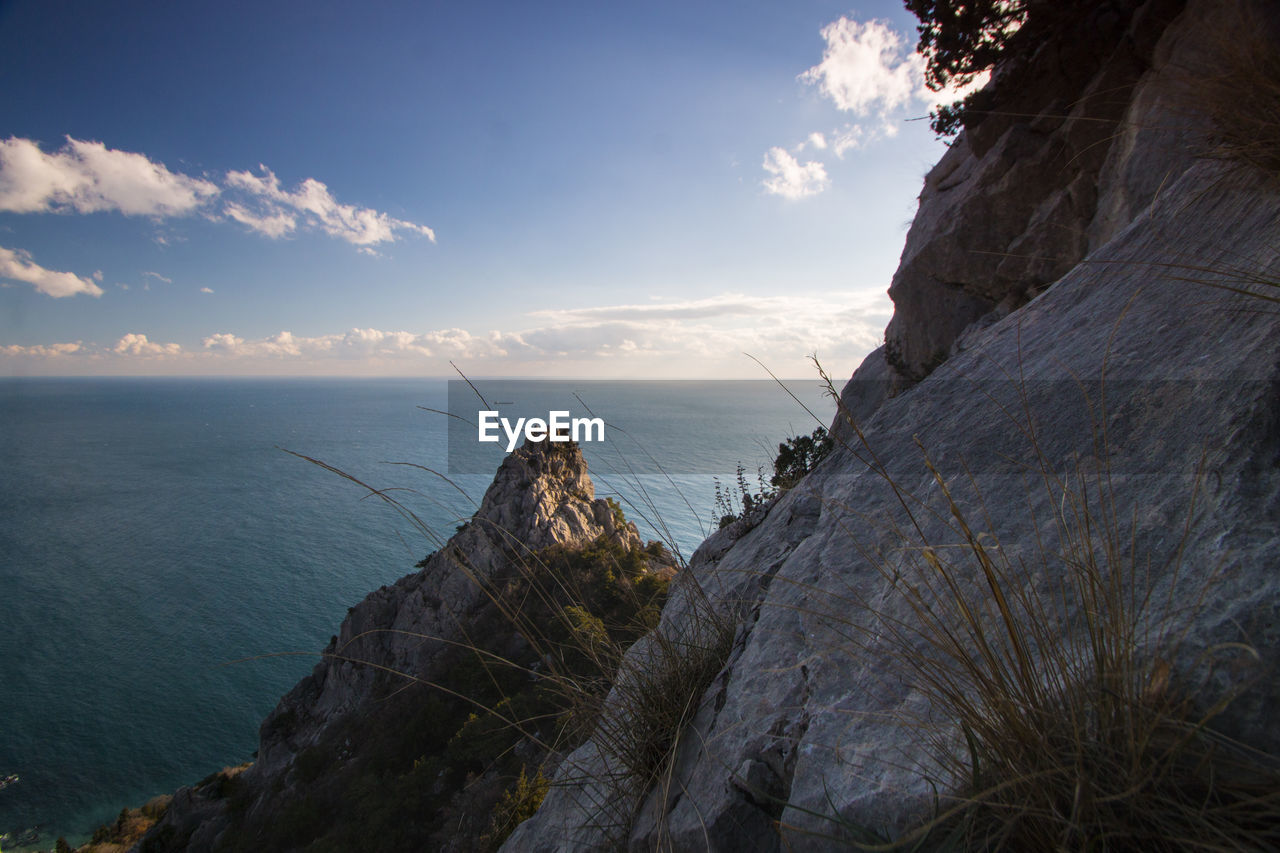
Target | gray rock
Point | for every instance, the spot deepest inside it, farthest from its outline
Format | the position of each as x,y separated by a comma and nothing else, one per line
540,496
1012,205
870,385
811,723
814,733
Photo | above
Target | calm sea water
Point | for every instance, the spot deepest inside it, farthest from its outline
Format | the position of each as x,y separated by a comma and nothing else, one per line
161,556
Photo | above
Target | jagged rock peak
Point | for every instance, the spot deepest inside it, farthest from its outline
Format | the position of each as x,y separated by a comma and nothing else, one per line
542,495
407,634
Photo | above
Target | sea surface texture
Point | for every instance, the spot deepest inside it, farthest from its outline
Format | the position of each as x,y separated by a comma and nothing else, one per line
168,570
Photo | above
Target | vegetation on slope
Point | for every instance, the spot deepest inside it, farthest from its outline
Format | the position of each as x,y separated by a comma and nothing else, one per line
455,764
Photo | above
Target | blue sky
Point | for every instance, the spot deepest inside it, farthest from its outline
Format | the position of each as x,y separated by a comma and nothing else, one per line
527,189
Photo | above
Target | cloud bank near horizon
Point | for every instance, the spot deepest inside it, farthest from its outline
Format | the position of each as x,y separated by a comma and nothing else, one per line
626,339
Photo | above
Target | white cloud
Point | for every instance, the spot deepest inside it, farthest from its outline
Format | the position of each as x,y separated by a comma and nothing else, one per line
792,179
136,344
869,70
853,136
364,344
158,277
88,177
866,68
280,344
722,305
17,265
710,331
360,226
283,343
206,290
223,341
714,331
275,224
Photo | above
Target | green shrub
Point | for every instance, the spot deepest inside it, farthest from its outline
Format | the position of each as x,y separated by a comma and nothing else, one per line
796,457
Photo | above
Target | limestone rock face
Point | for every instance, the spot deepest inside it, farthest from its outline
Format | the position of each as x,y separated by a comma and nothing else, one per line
1019,198
541,496
1132,359
810,724
871,384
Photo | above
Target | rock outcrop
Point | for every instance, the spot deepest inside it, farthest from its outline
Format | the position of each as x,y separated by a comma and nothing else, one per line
540,497
1073,315
367,694
1069,302
1020,198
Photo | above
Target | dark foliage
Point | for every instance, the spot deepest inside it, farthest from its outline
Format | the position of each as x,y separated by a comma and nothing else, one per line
432,766
960,39
796,457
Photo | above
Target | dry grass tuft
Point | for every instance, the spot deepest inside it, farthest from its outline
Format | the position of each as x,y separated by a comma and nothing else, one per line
516,806
1078,733
658,691
1065,714
1238,87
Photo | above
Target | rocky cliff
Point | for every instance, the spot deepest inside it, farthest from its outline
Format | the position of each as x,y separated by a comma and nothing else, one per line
1070,441
393,742
1021,196
1080,386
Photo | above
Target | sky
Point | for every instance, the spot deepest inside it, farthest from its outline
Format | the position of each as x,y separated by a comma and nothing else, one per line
559,189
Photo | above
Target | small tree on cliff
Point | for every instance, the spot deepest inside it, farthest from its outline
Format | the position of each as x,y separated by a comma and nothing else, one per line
960,39
798,456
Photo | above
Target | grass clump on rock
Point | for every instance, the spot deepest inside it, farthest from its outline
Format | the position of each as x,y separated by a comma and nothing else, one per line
1069,705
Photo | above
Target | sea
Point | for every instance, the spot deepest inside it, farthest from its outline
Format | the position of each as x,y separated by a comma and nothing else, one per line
171,564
